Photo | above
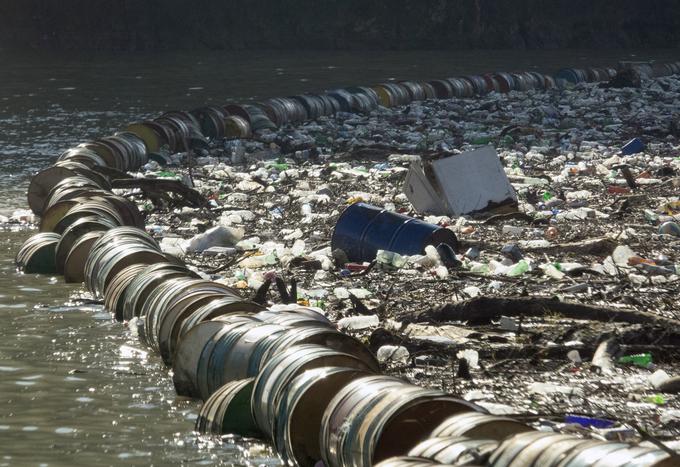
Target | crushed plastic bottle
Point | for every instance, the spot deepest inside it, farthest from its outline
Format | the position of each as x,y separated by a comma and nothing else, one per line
550,388
512,230
390,259
358,323
393,354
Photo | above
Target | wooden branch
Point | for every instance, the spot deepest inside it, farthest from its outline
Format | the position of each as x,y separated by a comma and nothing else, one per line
483,310
157,185
514,351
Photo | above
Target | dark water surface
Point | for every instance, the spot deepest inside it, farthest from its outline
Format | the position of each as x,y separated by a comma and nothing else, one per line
76,388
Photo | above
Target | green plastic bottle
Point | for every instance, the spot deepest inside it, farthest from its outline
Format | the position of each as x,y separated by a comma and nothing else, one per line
657,399
642,360
518,269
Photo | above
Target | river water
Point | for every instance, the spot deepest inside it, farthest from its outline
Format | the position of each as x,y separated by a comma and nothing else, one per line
75,387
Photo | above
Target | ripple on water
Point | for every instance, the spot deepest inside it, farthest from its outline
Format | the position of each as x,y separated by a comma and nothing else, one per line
128,455
74,378
64,430
32,377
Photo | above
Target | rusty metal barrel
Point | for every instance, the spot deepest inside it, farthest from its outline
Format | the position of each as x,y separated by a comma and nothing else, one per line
45,181
228,411
118,238
37,254
244,352
74,264
282,368
105,261
553,449
193,348
254,115
146,282
162,299
83,156
479,425
182,307
377,417
300,412
74,232
408,461
455,450
237,127
211,121
221,307
442,88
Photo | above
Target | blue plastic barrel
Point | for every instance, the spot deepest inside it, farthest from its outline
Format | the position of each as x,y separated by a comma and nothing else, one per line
363,229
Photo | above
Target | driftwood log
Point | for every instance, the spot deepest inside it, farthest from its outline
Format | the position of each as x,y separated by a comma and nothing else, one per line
156,188
483,310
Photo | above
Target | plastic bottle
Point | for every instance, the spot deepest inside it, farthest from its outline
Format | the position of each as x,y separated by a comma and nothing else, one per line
657,399
512,230
393,353
643,360
356,323
518,269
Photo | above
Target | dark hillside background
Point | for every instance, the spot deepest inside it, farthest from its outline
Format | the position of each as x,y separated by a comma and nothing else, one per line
337,24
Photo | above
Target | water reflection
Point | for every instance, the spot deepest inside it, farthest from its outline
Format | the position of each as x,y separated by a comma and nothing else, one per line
77,390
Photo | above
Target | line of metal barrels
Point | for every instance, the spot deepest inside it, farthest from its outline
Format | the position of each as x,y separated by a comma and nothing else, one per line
283,374
179,131
287,375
